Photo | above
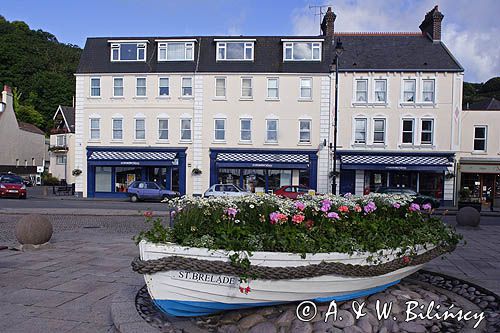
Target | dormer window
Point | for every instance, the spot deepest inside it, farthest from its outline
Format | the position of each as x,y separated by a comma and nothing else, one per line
301,51
235,50
176,50
128,51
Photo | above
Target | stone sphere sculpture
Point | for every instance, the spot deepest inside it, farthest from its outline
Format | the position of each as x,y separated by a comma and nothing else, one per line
33,229
468,217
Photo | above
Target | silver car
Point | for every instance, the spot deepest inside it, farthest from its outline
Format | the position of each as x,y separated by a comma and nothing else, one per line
219,190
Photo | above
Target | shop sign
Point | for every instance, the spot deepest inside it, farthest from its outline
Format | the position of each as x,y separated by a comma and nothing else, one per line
480,168
389,167
261,165
129,163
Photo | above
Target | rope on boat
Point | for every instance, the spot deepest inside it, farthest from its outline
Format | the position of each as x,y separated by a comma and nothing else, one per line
282,273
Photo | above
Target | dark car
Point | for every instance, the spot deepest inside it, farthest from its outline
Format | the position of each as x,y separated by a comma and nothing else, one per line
291,191
419,198
12,187
144,190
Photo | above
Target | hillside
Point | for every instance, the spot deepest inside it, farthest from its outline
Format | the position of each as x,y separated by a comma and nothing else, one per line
39,68
474,92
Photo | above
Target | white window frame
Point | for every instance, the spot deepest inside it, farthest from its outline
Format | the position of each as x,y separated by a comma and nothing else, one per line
251,87
433,91
64,159
403,91
375,91
291,44
182,87
222,45
249,130
365,121
118,46
277,88
225,87
63,143
309,121
485,139
188,45
219,129
384,120
137,86
267,131
115,86
356,92
302,79
159,120
98,129
190,130
135,128
413,130
91,87
431,131
160,86
113,129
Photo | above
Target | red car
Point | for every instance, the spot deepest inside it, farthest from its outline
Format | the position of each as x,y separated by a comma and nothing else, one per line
10,187
291,191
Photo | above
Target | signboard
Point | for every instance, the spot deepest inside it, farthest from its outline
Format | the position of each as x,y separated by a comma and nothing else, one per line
39,169
311,192
480,168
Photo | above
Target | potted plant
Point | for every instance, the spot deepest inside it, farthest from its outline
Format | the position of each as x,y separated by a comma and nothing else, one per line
196,171
465,200
76,172
235,252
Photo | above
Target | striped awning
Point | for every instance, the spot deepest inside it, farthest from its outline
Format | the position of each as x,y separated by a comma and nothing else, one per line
262,157
104,155
396,161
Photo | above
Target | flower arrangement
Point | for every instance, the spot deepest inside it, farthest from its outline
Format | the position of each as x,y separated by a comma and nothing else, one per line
312,224
76,172
196,171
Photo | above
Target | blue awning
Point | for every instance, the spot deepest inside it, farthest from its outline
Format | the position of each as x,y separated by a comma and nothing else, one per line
262,160
418,162
131,155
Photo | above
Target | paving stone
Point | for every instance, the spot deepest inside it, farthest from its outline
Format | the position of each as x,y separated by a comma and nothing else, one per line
36,297
42,325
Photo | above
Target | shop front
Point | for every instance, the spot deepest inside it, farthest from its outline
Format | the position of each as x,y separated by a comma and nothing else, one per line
367,172
111,170
262,170
480,181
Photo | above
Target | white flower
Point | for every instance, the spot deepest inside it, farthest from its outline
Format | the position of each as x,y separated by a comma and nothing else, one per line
236,221
251,206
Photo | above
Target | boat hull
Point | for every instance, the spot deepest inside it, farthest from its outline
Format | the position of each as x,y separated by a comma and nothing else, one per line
191,293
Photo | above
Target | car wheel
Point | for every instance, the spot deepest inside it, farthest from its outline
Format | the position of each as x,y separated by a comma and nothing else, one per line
134,198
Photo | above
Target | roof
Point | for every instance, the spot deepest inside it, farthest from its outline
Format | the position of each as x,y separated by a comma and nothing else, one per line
362,52
394,52
486,104
268,57
30,128
68,114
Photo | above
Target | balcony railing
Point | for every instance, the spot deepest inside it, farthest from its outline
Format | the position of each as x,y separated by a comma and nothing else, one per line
59,131
59,149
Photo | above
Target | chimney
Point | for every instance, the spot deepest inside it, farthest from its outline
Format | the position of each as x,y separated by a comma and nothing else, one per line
328,22
431,25
7,89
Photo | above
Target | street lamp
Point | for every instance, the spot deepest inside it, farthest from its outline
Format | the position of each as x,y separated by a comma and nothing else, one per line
338,51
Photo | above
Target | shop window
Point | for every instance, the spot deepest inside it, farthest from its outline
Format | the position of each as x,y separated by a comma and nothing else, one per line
279,178
254,180
103,179
124,176
471,183
304,177
431,184
374,180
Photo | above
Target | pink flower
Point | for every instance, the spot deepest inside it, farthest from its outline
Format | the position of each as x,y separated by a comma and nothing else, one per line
326,205
333,215
406,260
273,217
148,214
231,211
172,213
277,217
370,207
357,208
427,206
343,209
297,219
396,205
414,207
300,205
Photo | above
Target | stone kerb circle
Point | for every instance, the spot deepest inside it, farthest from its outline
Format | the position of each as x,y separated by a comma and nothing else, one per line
468,217
33,229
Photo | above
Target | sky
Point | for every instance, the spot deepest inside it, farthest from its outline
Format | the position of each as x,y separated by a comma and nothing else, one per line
471,29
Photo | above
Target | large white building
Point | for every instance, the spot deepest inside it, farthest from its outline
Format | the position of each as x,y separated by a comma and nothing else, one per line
257,111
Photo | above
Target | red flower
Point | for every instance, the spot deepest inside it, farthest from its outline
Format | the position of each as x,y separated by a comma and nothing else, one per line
297,219
247,289
358,208
406,260
343,209
309,224
148,214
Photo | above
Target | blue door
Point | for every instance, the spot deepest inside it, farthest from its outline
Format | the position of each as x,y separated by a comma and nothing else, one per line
347,181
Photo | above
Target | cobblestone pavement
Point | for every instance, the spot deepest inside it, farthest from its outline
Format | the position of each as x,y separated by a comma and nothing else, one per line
69,288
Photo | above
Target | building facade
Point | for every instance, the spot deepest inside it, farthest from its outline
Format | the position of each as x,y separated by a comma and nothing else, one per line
479,164
62,144
257,112
22,145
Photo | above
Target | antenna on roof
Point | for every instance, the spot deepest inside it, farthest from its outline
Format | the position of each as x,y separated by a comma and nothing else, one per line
319,11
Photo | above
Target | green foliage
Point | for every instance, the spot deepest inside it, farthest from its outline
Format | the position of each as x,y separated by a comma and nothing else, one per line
475,92
40,67
322,224
49,180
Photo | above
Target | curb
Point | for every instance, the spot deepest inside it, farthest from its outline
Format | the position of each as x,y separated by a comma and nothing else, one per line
79,212
124,314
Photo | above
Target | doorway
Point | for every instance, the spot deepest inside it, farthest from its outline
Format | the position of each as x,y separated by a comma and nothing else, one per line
403,179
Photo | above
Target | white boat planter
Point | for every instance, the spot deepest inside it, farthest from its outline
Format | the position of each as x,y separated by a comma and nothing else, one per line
188,292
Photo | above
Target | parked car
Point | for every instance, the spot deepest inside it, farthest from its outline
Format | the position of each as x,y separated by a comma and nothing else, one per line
144,190
231,190
12,187
291,191
20,179
419,198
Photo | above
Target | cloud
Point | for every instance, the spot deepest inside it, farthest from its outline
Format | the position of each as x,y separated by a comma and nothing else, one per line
470,28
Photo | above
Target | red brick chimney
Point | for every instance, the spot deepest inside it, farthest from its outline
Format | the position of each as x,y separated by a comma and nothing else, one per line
431,25
328,22
7,89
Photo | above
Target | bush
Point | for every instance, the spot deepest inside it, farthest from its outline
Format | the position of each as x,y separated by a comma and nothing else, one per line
49,180
310,225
